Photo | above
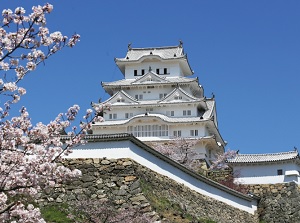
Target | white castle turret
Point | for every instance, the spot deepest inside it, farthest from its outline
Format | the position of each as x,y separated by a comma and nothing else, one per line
157,100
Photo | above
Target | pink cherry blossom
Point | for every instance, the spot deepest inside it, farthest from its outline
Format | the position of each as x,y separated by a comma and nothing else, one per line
29,154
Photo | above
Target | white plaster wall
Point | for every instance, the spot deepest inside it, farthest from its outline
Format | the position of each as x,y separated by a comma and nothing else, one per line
267,179
185,130
109,130
201,151
173,68
126,149
154,92
187,89
265,170
264,174
137,110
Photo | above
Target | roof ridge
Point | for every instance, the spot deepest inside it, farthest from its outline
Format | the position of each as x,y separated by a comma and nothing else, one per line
266,154
154,48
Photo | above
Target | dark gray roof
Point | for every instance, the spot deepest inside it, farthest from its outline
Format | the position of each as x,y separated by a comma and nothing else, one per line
169,52
263,158
175,53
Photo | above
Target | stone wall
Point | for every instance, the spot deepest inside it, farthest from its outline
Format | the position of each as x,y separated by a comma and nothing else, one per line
122,181
194,203
106,180
278,203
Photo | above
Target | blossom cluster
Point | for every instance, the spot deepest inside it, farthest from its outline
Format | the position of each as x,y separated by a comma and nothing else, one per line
94,210
30,154
25,42
29,160
180,150
221,162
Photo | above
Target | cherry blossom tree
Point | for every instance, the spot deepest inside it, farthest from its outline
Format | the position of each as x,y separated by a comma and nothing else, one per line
180,150
226,175
29,154
97,211
220,163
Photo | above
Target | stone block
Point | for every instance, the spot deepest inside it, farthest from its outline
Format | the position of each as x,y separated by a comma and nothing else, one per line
105,162
119,192
96,160
130,178
127,163
138,198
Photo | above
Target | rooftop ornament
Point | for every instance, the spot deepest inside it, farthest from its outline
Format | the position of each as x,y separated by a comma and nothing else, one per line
129,46
180,43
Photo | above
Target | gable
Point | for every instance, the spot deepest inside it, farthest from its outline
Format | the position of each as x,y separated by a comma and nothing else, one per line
121,97
178,95
150,78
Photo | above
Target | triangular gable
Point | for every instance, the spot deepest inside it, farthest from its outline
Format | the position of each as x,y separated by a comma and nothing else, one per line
121,97
178,94
150,77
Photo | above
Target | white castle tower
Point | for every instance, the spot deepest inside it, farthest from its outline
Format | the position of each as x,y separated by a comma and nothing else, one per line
158,100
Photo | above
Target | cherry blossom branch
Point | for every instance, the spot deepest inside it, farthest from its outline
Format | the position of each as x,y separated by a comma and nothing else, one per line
8,207
26,151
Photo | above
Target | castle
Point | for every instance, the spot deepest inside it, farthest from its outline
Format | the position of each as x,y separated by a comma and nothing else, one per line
158,100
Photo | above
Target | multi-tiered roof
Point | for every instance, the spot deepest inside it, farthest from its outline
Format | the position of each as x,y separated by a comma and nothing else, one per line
157,100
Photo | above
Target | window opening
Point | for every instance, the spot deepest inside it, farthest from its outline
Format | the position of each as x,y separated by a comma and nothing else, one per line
148,130
177,133
165,71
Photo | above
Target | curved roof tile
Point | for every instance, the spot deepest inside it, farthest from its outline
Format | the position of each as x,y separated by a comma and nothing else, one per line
170,52
267,157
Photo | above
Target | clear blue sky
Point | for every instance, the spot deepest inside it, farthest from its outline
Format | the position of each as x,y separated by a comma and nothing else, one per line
246,52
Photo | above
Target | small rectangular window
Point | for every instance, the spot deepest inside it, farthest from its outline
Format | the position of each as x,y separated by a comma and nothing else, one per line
140,96
143,71
186,112
165,71
110,116
128,115
136,96
162,95
191,132
194,132
157,71
170,113
279,172
114,116
177,133
135,73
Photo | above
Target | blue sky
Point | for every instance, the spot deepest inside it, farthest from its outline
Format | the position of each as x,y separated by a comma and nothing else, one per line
246,52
